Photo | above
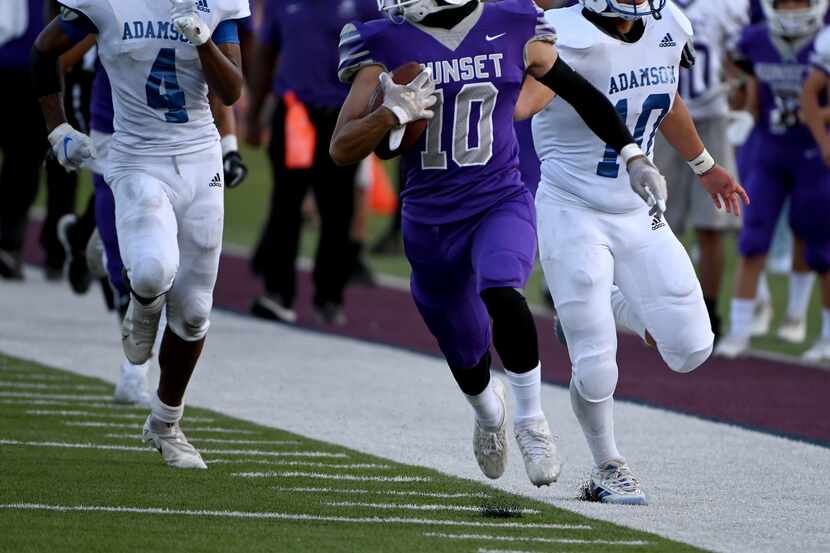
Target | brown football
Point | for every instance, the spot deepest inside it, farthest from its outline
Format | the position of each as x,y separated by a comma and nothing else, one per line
402,75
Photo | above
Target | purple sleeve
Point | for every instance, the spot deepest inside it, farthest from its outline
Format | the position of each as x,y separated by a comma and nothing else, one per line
269,32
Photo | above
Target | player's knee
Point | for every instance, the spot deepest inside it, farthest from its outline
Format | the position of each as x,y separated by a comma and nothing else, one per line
753,243
690,361
503,269
504,303
191,320
151,277
596,380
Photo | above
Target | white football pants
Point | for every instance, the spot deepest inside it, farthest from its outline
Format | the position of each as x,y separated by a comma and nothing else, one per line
583,253
169,213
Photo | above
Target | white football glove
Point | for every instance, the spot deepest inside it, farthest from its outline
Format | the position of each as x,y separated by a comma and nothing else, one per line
409,102
187,21
649,184
72,149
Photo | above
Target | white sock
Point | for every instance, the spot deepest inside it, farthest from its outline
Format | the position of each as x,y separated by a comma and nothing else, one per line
763,295
597,422
488,407
527,391
165,413
740,315
135,370
624,313
825,324
801,288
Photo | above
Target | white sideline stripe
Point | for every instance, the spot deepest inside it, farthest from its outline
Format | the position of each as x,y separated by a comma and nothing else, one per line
563,541
58,413
483,550
116,447
137,424
213,440
406,493
91,405
424,507
73,398
324,476
22,376
298,517
43,386
296,464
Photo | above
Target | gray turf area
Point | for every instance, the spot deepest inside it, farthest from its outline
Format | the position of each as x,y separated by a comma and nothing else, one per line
711,485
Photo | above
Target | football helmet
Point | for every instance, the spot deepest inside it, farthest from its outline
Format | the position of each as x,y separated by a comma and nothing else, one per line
415,10
616,8
795,22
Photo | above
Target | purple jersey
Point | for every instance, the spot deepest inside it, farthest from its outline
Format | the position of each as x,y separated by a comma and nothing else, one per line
306,32
780,68
468,159
101,108
14,53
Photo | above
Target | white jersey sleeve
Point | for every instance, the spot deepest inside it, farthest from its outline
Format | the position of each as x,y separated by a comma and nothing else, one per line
639,78
158,85
821,52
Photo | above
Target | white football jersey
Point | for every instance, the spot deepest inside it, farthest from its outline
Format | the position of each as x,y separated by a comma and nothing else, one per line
158,86
716,24
821,51
639,78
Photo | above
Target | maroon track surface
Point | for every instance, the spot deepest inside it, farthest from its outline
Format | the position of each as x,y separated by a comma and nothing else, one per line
774,397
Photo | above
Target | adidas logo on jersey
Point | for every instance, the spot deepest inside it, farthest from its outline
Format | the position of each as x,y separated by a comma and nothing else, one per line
657,222
668,41
202,6
216,181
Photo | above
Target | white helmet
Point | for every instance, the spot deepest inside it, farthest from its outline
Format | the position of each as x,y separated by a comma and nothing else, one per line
415,10
615,8
797,22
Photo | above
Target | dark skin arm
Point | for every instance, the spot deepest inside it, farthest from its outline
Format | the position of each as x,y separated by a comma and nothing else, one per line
222,66
261,68
53,42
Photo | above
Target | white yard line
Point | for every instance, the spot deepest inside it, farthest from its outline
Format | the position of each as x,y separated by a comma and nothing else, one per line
532,539
138,423
326,476
213,440
422,507
485,550
88,405
116,447
310,464
294,517
73,398
394,493
91,414
43,386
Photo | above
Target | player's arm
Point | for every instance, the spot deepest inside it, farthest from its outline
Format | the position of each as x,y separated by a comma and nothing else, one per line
71,148
262,67
679,129
812,113
533,98
545,65
225,120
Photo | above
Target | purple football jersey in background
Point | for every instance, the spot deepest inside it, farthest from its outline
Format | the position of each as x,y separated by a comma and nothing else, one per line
14,55
306,33
468,160
529,164
101,108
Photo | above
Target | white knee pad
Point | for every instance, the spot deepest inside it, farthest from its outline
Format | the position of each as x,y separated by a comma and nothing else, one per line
190,318
688,362
596,381
151,277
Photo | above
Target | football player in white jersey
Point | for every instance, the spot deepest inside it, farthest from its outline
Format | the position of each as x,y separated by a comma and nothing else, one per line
163,57
705,92
595,234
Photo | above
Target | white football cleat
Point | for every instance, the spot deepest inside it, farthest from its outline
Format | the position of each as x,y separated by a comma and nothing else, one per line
139,329
732,346
542,462
132,386
793,331
614,483
819,353
490,447
761,319
172,444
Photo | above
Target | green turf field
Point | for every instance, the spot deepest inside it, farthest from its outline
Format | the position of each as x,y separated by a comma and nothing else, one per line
77,478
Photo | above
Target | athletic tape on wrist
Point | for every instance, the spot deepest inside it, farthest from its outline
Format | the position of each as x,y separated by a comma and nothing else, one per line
629,152
703,163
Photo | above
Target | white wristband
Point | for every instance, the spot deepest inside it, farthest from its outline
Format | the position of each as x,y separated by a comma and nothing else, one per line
703,163
631,151
229,144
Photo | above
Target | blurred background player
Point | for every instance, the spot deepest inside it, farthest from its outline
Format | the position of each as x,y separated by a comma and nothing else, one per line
164,167
785,162
595,234
468,219
23,143
814,106
299,39
703,89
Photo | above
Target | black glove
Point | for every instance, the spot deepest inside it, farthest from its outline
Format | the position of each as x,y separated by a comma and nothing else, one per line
235,169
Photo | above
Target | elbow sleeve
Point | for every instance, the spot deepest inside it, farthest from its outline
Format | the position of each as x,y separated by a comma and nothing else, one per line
591,104
45,76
